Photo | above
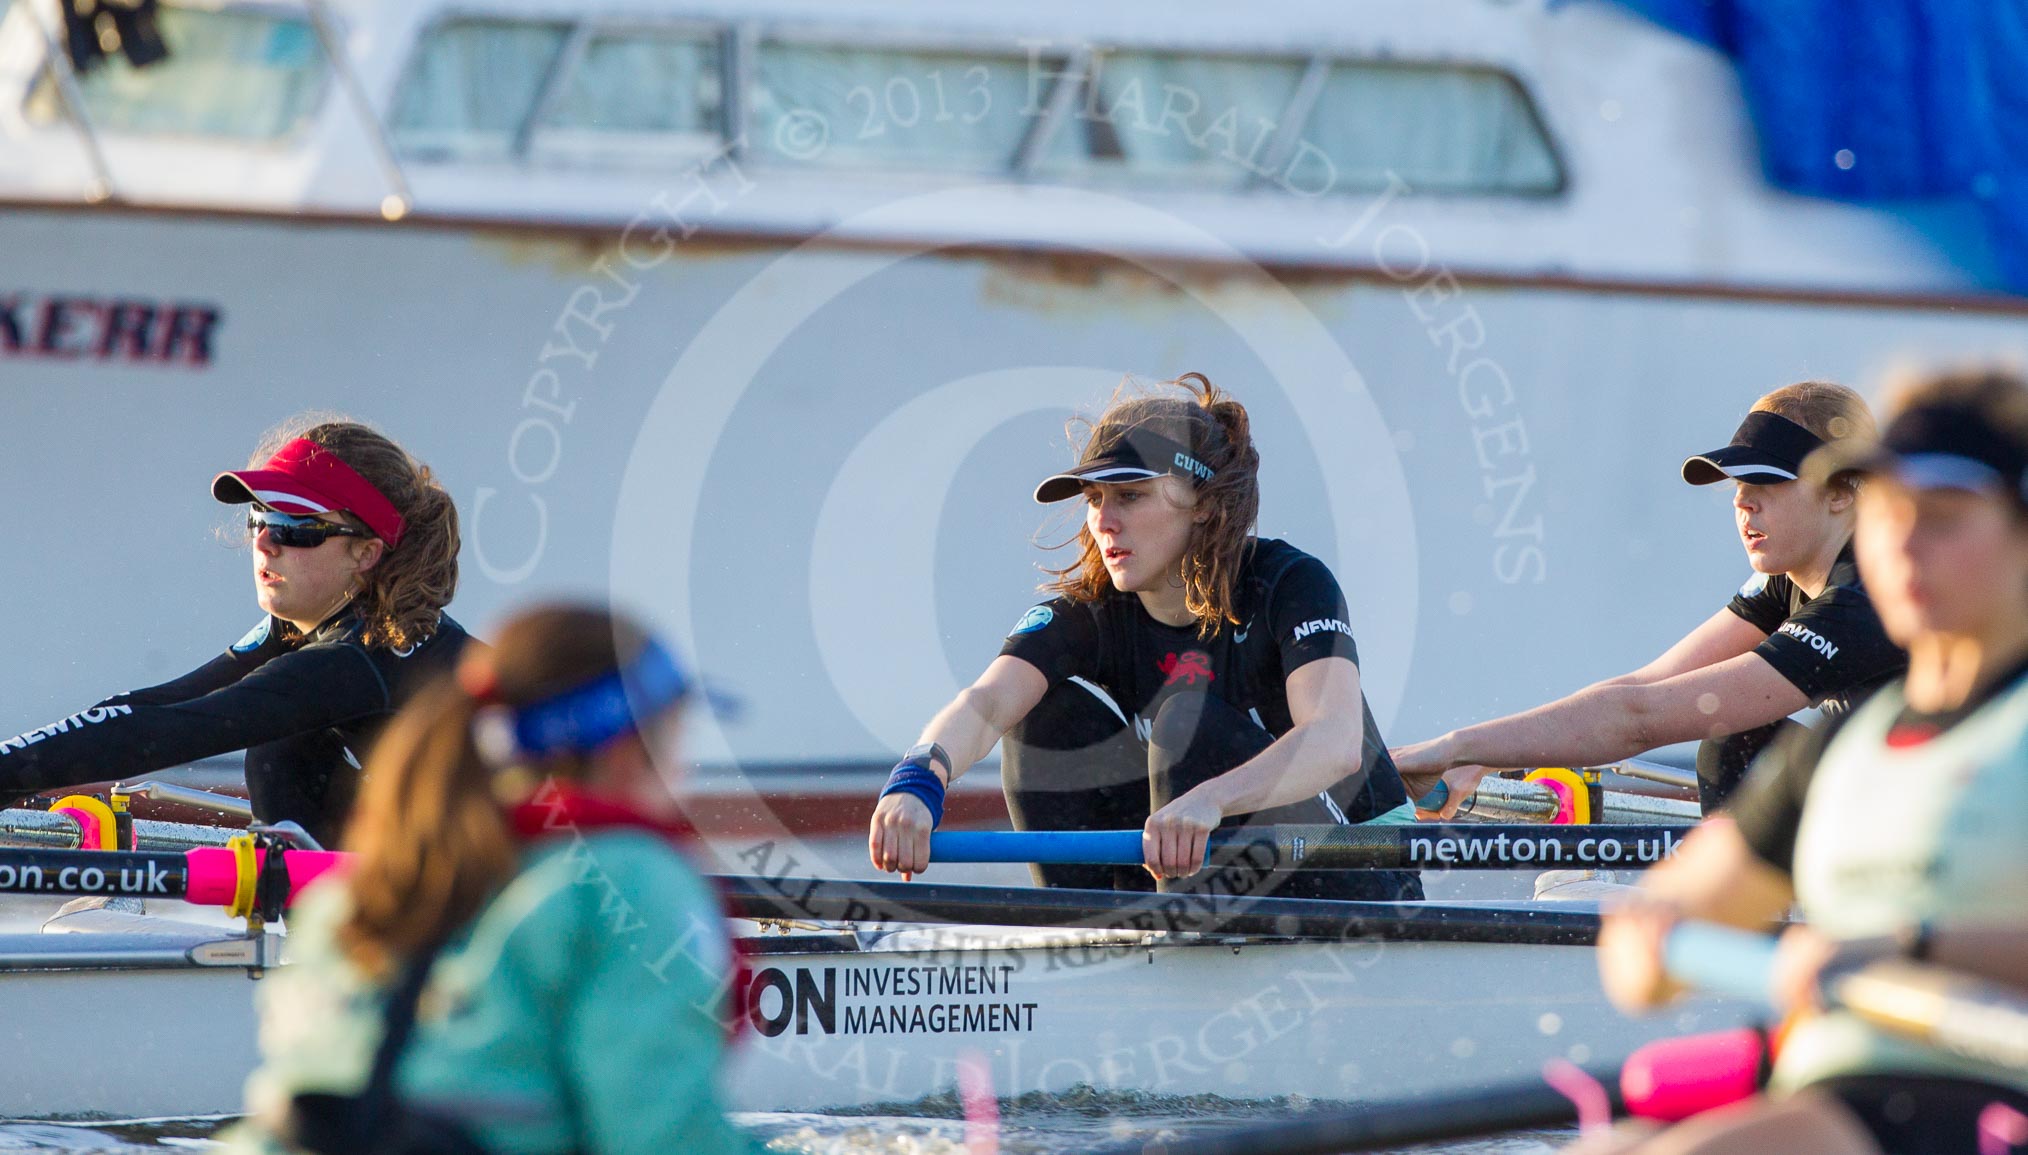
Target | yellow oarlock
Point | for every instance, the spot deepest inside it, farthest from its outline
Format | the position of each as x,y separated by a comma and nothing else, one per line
248,869
1574,789
83,809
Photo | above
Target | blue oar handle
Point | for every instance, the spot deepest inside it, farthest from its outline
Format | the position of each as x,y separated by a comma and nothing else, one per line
1722,960
1332,846
1116,847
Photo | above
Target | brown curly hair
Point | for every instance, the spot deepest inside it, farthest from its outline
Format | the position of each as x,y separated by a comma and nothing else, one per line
1215,429
407,591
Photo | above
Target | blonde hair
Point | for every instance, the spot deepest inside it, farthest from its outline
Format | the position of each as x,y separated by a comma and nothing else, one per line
1828,410
1831,411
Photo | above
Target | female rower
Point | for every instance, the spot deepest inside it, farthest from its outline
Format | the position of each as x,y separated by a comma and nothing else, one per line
1799,633
1186,676
1901,829
355,554
520,959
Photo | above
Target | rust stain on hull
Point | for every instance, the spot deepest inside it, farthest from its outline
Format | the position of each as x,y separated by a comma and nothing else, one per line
1077,286
574,252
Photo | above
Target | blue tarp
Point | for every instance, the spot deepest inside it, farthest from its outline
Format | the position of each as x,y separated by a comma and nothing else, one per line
1884,100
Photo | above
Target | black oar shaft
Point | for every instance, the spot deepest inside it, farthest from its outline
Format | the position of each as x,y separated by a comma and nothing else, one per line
125,874
1423,1119
1460,845
1208,913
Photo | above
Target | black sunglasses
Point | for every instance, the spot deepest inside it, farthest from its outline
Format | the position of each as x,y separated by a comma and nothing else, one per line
296,532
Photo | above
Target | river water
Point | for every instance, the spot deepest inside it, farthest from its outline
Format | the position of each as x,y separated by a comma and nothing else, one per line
1057,1127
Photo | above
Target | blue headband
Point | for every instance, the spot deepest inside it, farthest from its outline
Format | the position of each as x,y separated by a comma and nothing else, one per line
583,719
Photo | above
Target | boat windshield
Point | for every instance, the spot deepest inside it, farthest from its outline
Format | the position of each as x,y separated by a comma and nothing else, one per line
595,91
893,108
240,73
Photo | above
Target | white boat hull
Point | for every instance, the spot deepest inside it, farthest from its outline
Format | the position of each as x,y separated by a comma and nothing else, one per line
139,1039
1341,1021
112,1025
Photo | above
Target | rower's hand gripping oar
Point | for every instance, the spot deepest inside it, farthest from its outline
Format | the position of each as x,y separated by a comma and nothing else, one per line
1568,793
1962,1014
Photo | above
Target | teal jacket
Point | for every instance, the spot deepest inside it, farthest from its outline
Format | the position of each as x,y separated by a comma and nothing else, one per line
579,1013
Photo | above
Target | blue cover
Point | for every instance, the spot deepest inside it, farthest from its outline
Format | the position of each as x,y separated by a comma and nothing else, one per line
1872,100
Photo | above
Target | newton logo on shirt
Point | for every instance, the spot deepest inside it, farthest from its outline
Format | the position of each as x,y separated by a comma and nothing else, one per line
1032,621
1319,625
1810,638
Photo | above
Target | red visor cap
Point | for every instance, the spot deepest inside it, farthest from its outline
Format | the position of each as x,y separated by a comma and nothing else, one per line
303,478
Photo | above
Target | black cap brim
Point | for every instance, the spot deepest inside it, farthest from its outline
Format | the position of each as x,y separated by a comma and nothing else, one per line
1064,486
1736,463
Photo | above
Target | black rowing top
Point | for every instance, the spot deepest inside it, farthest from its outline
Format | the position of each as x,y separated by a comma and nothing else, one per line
1832,646
1291,613
303,707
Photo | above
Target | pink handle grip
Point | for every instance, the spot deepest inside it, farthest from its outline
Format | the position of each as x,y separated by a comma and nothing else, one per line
1676,1078
87,828
1566,805
214,872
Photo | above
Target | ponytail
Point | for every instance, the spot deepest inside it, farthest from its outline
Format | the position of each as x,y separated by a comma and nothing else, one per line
1231,501
432,842
430,829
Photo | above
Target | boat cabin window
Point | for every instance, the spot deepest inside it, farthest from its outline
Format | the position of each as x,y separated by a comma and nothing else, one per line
1440,129
472,85
591,92
652,95
878,108
1141,117
242,73
1309,127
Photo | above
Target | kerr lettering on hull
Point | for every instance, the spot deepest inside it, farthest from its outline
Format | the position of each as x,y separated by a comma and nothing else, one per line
523,368
120,329
1352,1020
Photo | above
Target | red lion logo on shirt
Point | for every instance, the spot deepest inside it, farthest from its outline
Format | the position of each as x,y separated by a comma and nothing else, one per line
1186,667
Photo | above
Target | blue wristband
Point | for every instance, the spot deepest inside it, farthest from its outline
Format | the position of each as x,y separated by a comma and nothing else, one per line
921,781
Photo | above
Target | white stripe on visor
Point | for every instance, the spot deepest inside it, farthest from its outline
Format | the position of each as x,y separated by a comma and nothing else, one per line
1944,471
1119,473
275,497
1756,470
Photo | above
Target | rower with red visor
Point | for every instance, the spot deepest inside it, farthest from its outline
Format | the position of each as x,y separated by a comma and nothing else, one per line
355,555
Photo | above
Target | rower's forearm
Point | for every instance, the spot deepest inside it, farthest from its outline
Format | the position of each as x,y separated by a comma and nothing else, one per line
1999,953
1597,725
1302,763
965,730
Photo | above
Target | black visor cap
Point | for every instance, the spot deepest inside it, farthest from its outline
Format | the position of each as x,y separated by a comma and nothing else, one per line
1140,455
1767,449
1946,445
